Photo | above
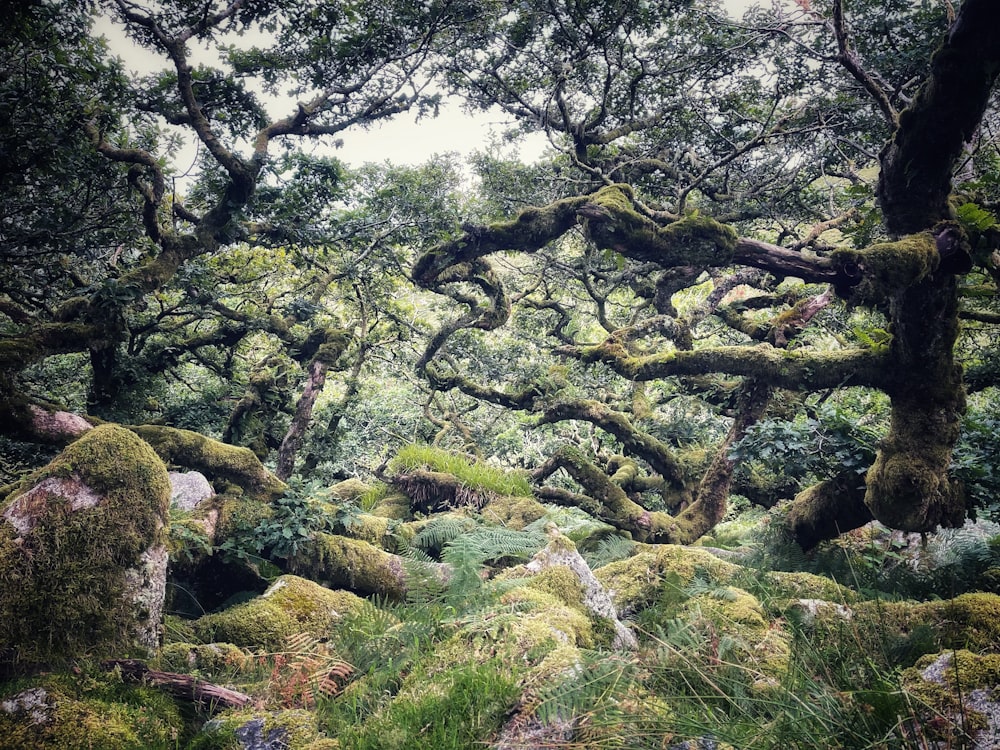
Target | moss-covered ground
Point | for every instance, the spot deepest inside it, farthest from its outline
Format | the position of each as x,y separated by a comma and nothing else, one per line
477,629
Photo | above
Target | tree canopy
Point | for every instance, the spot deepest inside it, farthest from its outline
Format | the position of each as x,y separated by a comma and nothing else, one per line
740,223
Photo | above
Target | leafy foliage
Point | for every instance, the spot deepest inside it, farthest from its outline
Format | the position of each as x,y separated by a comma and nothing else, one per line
294,519
976,460
810,448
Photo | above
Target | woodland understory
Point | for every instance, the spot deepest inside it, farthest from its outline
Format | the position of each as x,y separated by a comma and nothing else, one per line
682,435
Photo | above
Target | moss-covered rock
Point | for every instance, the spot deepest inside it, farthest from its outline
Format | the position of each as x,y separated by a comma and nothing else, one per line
957,697
559,569
209,659
218,461
239,515
752,641
513,511
462,705
969,621
82,554
70,713
637,581
290,730
797,585
356,565
349,489
290,606
395,505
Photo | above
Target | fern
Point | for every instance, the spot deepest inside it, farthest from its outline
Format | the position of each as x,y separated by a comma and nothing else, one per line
572,522
597,682
441,530
305,669
494,543
609,549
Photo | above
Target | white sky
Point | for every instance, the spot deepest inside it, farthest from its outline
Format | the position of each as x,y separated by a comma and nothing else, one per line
401,140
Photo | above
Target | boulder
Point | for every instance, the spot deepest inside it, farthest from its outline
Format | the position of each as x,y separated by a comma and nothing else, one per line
82,552
188,489
290,606
99,712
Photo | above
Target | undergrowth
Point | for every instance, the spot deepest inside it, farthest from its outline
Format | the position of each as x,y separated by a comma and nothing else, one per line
476,475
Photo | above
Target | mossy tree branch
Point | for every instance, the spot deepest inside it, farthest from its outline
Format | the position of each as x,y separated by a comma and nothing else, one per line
214,459
637,443
795,370
915,180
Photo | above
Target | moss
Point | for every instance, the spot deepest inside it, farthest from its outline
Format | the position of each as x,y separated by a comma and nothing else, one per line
888,268
291,729
177,629
694,240
82,713
963,669
256,625
212,458
808,586
290,606
395,505
461,706
560,582
547,621
239,513
343,563
827,509
733,612
970,621
370,528
908,484
440,469
637,581
944,685
41,341
212,660
64,588
349,489
513,511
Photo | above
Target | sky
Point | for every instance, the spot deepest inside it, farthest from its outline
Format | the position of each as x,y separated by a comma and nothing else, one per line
401,140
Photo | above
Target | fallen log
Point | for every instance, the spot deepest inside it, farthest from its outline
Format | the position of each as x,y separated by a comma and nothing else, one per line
184,686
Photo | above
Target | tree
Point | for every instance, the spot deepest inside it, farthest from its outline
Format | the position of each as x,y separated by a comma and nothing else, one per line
721,231
686,140
147,281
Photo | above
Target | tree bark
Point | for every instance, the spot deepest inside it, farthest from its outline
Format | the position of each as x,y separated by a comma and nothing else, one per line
827,510
184,686
636,443
292,441
915,182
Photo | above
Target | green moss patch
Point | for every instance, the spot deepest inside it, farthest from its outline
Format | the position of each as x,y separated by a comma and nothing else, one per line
291,730
461,707
65,712
291,605
64,590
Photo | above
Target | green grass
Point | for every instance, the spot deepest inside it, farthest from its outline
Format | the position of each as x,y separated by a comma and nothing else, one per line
456,710
476,475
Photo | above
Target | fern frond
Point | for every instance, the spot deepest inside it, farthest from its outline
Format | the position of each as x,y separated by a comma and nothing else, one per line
493,543
610,549
441,530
